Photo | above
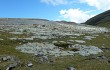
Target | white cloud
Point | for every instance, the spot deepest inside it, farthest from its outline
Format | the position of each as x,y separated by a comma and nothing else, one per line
55,2
99,4
76,15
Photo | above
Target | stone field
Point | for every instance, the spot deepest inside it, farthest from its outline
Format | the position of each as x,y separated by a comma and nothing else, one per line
50,45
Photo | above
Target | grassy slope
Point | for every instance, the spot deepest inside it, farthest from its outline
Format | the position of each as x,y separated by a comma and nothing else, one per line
102,19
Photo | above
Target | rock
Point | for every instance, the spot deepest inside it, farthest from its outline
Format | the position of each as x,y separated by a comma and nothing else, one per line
41,49
11,66
71,68
88,37
1,39
80,41
4,58
55,42
45,58
102,58
105,49
87,50
8,57
39,53
29,64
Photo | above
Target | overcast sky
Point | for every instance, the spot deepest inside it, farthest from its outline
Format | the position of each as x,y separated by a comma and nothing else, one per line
70,10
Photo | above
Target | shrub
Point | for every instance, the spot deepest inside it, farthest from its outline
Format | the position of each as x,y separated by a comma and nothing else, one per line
63,45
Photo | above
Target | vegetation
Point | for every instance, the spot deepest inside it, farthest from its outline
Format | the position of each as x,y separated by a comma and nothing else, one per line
63,45
102,19
7,47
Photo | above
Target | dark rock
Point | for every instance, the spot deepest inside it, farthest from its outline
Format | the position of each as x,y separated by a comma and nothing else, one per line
105,49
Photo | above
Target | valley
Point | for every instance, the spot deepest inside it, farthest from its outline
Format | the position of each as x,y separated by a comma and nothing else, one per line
37,44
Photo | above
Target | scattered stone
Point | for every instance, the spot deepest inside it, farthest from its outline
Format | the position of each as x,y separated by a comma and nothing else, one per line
1,39
41,49
62,42
70,41
88,37
4,58
9,57
11,66
29,64
39,53
102,58
80,41
87,50
55,42
45,58
71,68
105,49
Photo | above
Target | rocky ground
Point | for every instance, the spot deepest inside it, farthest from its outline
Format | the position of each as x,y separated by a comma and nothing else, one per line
54,46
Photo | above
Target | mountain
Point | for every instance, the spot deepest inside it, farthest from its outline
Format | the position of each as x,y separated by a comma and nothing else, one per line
66,22
30,21
22,21
102,20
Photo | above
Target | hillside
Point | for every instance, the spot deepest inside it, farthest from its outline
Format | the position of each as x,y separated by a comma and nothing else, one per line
66,22
30,44
12,21
23,21
102,19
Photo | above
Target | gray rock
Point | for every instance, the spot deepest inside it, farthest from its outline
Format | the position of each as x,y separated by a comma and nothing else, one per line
11,66
80,41
45,58
41,49
8,57
4,58
88,37
29,64
39,53
102,58
71,68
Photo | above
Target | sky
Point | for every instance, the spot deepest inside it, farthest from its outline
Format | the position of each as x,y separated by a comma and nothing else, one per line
77,11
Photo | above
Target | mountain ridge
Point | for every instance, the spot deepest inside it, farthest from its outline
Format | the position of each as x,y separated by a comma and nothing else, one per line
30,21
102,19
